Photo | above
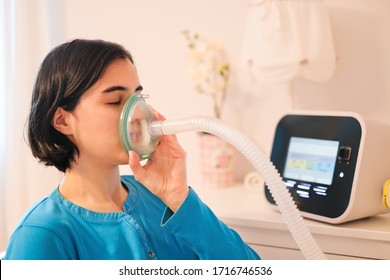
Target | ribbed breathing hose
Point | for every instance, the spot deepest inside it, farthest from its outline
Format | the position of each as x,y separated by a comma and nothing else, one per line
254,154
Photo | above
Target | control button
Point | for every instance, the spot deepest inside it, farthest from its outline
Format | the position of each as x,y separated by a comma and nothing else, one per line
386,194
345,153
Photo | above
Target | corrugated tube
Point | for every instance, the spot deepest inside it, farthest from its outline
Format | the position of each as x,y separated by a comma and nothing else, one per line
261,163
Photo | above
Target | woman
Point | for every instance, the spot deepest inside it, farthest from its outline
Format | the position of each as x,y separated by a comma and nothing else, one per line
95,213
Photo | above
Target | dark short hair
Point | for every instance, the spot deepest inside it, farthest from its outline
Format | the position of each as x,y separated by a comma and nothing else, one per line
66,73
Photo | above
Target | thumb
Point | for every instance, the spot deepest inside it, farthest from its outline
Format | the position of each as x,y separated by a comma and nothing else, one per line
135,165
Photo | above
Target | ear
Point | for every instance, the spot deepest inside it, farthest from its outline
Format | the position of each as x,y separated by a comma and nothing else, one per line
61,121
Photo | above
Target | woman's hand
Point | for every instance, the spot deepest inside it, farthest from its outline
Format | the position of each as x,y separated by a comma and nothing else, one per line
165,173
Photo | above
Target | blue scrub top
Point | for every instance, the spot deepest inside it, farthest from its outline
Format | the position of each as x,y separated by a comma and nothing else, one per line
55,228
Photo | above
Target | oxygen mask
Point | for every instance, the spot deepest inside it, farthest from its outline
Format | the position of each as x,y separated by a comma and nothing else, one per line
135,119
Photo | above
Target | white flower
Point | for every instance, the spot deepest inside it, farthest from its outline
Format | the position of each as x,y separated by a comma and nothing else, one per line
209,71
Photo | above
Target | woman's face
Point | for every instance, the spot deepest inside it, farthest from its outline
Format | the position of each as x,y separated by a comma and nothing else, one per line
96,117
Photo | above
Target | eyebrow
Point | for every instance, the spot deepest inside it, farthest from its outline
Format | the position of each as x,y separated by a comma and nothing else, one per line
120,88
139,88
115,88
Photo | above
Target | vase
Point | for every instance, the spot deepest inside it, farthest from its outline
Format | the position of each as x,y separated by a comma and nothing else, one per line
217,159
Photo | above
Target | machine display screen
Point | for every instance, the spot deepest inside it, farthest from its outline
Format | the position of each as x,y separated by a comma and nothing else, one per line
311,160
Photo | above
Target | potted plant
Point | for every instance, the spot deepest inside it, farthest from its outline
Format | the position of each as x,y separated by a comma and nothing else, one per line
209,69
209,75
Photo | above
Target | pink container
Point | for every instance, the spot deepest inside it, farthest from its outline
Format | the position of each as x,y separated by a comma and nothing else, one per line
217,159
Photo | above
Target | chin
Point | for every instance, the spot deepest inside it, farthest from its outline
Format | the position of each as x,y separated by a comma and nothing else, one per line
123,157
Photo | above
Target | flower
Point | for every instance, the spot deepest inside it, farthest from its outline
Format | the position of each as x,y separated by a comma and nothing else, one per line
210,69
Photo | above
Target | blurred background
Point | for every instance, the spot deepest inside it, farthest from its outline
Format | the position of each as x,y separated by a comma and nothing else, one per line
152,31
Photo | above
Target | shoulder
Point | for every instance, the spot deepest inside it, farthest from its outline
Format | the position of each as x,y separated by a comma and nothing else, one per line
129,180
44,225
134,186
48,215
139,194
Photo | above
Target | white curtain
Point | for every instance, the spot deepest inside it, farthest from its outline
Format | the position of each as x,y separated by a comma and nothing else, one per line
28,30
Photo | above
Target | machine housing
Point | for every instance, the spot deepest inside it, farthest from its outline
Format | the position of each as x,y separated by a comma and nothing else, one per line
335,164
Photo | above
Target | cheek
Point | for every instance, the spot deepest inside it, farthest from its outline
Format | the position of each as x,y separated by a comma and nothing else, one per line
100,132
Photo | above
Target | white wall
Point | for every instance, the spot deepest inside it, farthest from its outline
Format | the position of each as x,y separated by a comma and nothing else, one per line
361,82
150,29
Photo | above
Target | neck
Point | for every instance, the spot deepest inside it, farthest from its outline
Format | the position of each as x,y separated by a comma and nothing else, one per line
96,189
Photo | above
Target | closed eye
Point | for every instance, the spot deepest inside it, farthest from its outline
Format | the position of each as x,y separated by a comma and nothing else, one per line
115,103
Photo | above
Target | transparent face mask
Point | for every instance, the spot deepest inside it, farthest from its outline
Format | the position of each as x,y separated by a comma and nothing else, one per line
134,122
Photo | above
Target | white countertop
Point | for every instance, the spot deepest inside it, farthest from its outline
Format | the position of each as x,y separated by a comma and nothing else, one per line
248,212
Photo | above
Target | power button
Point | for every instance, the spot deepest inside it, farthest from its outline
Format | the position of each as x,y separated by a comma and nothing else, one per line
344,153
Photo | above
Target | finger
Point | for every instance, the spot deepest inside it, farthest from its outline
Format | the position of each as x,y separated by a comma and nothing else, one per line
169,138
135,165
169,144
157,114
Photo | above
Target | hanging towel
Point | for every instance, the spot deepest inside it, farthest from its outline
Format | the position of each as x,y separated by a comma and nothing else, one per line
285,39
